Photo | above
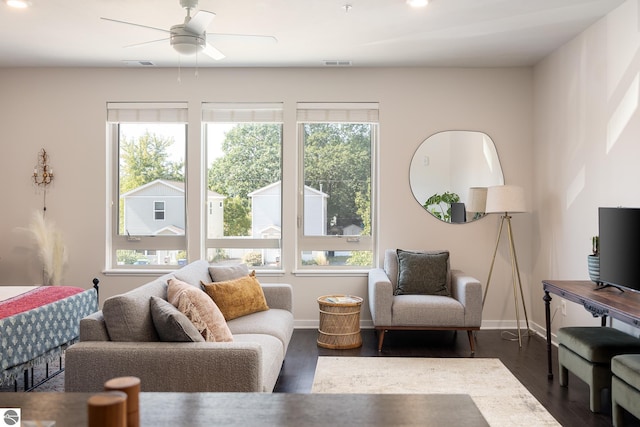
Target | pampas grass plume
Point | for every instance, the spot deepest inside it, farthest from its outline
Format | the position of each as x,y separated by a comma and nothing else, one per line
51,249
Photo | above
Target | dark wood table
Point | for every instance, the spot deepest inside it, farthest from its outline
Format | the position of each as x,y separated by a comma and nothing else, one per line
262,409
600,301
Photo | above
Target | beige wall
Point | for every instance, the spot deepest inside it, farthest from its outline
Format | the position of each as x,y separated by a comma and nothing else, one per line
587,148
63,110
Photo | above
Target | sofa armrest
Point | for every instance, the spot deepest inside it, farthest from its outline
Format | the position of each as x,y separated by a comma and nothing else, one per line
167,367
468,291
93,328
278,295
380,297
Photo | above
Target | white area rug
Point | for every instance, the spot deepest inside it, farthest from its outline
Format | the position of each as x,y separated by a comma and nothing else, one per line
499,396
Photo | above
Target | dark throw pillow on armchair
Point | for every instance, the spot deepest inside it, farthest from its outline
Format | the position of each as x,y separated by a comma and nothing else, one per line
423,273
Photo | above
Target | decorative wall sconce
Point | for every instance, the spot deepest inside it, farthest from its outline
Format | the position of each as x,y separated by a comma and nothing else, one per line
42,174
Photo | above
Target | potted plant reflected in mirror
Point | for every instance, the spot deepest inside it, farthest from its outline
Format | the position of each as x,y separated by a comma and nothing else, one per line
440,205
593,261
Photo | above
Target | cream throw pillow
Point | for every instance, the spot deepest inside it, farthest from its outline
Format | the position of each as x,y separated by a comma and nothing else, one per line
200,309
237,297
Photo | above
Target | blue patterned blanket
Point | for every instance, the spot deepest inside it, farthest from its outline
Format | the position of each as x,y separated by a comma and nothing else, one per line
40,334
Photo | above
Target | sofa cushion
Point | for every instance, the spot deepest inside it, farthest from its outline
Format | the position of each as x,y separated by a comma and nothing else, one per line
222,273
199,309
422,273
193,273
128,315
171,324
237,297
275,322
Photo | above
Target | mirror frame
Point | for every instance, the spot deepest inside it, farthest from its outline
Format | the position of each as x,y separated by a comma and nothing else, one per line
445,202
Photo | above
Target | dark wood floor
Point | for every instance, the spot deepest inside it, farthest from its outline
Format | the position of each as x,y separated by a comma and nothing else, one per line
570,405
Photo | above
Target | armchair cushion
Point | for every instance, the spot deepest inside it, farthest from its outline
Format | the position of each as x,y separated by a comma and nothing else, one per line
423,273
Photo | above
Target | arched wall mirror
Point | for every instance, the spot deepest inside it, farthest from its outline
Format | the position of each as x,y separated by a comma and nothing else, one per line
450,173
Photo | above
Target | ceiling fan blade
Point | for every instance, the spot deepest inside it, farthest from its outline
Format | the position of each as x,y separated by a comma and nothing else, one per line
257,37
146,43
200,21
213,52
137,25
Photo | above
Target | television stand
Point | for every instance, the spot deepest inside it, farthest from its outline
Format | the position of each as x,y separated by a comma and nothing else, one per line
600,302
601,285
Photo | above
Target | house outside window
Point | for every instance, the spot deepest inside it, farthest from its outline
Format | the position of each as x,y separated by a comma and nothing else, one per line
337,143
244,166
148,142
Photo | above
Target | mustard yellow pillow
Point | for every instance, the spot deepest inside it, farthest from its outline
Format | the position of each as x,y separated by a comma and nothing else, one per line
237,297
199,309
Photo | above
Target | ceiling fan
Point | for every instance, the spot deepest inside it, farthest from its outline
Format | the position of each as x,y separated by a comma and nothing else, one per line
190,37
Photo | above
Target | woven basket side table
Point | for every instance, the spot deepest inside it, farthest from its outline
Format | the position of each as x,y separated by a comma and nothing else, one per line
339,321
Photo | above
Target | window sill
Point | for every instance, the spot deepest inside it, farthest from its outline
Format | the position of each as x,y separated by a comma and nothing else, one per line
138,271
331,273
161,271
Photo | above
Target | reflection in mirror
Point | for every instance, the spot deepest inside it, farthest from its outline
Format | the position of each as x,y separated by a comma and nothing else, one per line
450,173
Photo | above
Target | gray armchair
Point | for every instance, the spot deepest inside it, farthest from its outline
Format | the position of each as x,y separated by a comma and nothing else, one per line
392,310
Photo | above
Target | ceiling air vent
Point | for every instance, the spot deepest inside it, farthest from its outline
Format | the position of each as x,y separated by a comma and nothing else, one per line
337,63
143,63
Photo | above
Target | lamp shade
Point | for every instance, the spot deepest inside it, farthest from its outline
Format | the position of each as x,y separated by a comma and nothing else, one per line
505,198
477,201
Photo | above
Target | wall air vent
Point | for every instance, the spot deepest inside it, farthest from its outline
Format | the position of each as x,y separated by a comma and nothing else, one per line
337,63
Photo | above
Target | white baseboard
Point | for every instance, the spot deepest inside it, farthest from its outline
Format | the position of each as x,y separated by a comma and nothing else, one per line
486,324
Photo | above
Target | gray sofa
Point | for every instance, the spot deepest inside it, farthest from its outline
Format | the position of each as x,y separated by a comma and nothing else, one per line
250,363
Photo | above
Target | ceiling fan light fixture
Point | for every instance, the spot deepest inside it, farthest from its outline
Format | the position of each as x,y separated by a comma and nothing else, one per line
417,3
186,45
185,42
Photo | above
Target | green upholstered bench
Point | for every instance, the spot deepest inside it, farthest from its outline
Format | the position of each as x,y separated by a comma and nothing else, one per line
587,352
625,386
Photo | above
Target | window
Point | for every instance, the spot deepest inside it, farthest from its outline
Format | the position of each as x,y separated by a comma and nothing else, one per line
148,143
337,142
240,208
158,211
244,172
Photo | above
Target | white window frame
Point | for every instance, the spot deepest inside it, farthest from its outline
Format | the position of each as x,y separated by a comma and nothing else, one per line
365,112
175,112
218,112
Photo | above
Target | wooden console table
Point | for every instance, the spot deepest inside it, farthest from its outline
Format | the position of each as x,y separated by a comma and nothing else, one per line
263,409
600,302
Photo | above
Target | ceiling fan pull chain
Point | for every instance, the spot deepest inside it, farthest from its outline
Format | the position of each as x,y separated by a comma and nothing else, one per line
197,65
179,69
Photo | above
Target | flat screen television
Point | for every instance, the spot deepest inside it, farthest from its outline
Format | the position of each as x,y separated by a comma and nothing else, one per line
619,231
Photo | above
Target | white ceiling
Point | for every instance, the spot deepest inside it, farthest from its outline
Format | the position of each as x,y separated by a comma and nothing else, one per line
466,33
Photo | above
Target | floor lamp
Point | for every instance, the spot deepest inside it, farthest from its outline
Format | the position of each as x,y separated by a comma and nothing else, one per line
505,200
